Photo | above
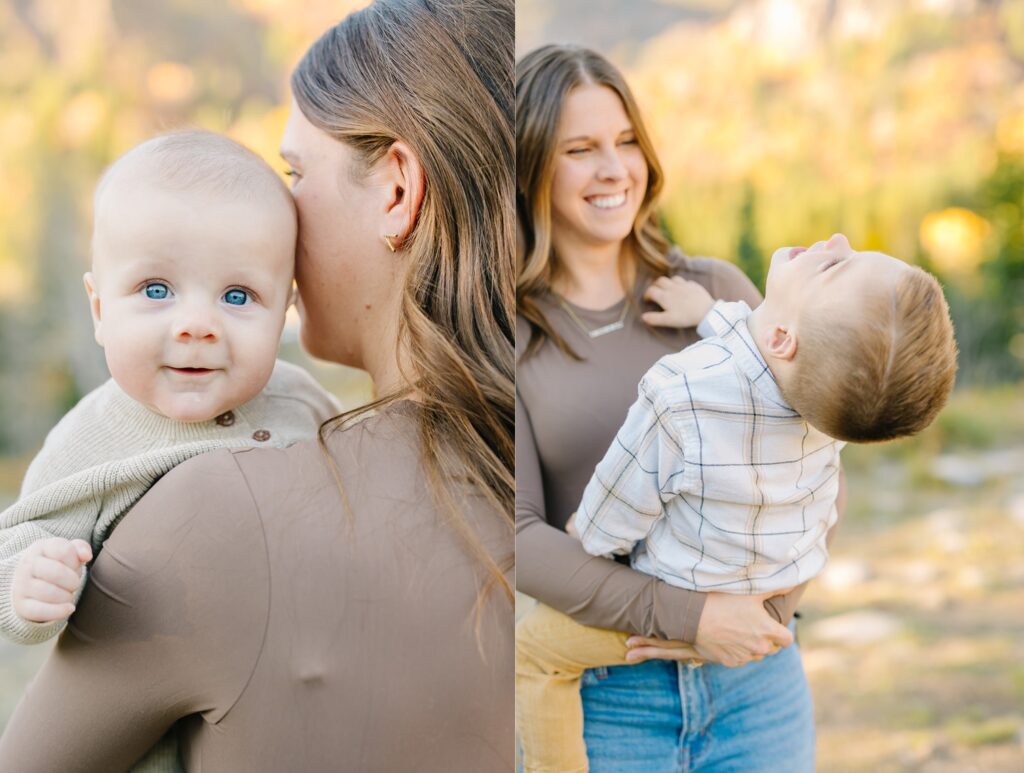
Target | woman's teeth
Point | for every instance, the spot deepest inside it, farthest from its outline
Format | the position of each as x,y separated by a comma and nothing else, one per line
607,202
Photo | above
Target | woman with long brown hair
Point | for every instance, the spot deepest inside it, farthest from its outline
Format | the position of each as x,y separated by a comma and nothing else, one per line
590,255
342,604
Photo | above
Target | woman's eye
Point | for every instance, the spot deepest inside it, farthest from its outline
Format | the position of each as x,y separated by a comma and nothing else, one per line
628,141
156,291
578,151
236,297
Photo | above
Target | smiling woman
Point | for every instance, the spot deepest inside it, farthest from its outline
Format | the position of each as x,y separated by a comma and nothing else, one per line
592,254
599,175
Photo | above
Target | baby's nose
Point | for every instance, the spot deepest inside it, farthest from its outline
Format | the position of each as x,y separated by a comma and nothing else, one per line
196,326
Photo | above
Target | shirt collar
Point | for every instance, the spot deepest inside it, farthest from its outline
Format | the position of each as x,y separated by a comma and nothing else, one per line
727,321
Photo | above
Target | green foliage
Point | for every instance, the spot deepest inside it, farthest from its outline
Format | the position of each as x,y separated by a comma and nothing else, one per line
748,254
982,732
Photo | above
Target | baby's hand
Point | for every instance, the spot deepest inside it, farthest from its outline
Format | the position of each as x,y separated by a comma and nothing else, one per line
46,578
684,303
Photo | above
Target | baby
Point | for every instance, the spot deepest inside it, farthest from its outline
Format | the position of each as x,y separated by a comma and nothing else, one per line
725,474
193,255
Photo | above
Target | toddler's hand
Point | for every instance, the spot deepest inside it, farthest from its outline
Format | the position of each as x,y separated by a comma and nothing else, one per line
684,303
570,527
46,578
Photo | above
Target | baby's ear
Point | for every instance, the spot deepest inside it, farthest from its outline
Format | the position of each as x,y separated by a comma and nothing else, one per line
94,305
782,343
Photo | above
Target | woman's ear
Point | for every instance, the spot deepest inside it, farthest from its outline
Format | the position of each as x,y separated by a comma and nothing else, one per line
94,305
404,181
781,343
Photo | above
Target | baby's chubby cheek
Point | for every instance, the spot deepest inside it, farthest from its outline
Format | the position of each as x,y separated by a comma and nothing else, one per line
132,368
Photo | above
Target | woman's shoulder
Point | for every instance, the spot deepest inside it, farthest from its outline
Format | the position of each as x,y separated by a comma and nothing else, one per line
724,280
384,443
207,493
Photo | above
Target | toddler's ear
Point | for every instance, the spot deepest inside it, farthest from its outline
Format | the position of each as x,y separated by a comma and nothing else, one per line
781,343
94,305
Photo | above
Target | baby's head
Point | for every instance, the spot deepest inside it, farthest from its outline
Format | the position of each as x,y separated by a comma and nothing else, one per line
192,259
861,342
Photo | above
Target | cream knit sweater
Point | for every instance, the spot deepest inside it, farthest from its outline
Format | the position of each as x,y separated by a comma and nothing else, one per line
105,454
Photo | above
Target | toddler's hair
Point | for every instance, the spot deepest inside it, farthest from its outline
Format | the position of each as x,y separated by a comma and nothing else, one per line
196,160
883,376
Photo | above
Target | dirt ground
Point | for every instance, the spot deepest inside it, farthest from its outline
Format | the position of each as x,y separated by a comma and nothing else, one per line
913,639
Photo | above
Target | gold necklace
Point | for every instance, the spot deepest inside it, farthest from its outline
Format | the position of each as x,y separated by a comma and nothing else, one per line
600,331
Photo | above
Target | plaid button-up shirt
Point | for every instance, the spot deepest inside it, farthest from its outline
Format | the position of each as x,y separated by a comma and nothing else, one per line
714,482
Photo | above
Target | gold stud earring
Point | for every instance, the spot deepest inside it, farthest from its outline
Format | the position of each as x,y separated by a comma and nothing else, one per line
387,240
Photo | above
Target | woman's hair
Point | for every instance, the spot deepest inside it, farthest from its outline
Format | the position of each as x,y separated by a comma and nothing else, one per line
437,75
544,78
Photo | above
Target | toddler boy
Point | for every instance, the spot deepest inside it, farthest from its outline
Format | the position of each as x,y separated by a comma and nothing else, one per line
193,256
725,474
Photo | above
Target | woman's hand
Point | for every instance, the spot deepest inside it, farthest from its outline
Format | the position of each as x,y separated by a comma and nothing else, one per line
642,648
684,303
735,630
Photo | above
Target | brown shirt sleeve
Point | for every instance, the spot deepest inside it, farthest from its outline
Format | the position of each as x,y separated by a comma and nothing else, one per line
552,567
169,625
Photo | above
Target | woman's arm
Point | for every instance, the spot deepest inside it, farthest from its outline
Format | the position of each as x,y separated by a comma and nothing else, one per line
170,624
552,567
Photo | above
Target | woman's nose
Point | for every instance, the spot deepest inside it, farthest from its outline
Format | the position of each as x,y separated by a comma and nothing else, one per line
611,167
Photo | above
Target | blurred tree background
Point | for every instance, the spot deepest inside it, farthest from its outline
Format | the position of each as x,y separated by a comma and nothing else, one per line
779,122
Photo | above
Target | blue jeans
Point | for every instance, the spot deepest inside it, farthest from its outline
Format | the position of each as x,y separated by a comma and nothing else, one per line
664,717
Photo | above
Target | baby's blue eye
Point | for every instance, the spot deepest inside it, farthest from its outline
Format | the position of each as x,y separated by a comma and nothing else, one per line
236,297
157,291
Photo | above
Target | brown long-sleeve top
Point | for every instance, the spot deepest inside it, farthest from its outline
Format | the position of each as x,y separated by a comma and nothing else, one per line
283,626
567,414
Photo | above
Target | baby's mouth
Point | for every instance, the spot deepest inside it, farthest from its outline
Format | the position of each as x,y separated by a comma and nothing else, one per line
191,371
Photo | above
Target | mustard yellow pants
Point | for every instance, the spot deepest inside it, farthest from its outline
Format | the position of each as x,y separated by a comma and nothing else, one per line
552,652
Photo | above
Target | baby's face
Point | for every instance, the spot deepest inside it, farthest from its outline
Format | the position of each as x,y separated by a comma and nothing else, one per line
189,293
828,274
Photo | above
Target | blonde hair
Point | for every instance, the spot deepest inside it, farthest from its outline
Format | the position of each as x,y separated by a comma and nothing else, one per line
196,160
881,377
544,78
438,76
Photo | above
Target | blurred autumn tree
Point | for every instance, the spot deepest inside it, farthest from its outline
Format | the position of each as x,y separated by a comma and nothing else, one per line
79,84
